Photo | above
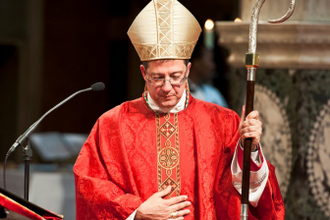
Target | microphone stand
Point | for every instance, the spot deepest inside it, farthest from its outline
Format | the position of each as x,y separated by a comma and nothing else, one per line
27,154
27,151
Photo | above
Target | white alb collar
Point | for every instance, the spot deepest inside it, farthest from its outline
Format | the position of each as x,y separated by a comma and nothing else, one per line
179,106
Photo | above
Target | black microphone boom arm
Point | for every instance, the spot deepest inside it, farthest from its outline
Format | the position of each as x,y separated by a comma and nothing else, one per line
21,139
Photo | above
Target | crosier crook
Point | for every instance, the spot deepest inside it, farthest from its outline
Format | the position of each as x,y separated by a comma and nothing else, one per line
252,63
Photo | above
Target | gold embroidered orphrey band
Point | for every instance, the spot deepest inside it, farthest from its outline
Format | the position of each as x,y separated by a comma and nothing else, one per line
168,151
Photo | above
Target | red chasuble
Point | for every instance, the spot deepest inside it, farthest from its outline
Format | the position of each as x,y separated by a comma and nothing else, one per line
133,152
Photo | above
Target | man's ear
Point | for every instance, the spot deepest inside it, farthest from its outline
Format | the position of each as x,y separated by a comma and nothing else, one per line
188,69
143,72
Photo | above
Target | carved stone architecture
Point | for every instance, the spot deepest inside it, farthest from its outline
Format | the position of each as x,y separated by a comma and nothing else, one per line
296,45
276,139
318,159
294,72
302,42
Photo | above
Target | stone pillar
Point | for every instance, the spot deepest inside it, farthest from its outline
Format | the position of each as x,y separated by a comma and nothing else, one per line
292,95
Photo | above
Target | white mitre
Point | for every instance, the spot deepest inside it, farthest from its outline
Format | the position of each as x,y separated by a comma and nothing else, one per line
164,29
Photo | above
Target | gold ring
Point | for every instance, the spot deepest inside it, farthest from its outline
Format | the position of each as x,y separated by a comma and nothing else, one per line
174,214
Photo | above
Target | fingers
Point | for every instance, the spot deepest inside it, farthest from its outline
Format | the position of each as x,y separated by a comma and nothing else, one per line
242,115
177,202
180,204
253,115
251,121
179,214
165,192
255,135
251,127
177,206
156,207
177,199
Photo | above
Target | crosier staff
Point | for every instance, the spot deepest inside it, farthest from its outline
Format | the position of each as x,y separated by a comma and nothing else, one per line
252,63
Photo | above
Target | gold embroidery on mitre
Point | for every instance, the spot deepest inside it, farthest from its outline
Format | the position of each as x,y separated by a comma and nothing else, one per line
164,20
146,51
168,150
157,34
183,50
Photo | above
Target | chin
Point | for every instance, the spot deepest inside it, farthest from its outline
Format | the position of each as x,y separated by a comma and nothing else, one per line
168,105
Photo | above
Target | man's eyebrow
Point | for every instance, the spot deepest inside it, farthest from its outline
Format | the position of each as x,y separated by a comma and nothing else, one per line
156,74
178,71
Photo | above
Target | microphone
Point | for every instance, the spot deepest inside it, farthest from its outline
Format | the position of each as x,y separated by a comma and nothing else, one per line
98,86
22,139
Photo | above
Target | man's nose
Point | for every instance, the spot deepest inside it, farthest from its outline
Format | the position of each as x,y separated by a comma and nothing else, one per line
167,85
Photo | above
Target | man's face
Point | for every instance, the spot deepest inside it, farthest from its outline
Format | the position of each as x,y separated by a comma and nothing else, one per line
165,96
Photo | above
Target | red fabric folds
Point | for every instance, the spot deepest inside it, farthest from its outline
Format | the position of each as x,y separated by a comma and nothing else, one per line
253,166
116,169
228,200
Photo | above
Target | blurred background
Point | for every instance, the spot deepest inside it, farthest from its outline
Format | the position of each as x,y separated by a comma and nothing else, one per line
50,49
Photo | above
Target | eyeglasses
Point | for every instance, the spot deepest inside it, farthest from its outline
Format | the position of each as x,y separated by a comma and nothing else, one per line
160,81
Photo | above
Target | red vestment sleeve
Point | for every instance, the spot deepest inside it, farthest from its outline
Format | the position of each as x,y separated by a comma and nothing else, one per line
254,167
271,202
228,200
104,185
